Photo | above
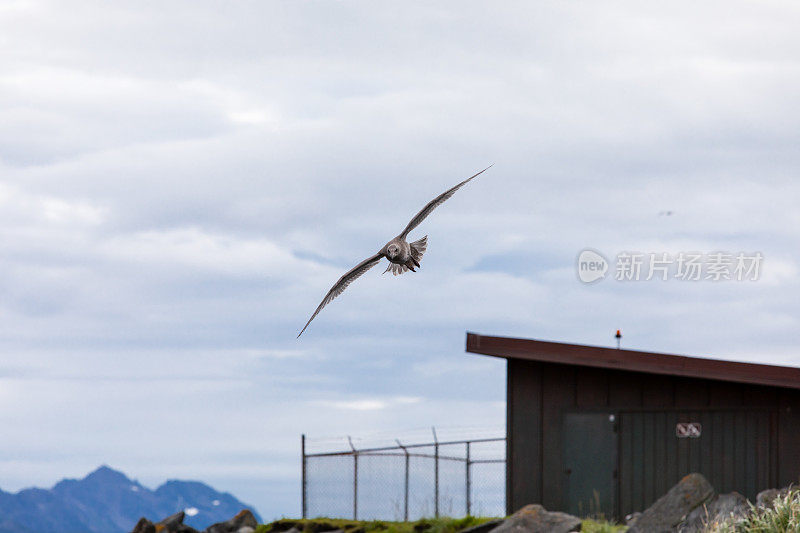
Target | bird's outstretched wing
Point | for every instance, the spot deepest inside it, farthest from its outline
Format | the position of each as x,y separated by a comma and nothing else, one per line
342,284
436,202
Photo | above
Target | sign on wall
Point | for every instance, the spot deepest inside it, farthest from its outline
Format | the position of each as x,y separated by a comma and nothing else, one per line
688,430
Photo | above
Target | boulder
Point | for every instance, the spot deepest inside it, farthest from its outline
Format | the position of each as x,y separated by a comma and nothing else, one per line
766,498
172,522
632,518
716,510
536,519
672,508
144,526
240,523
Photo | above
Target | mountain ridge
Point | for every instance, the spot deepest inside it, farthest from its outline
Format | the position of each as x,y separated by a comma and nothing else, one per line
107,501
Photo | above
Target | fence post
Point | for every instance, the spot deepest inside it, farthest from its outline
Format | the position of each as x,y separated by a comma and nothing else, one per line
405,498
355,478
304,482
469,480
435,473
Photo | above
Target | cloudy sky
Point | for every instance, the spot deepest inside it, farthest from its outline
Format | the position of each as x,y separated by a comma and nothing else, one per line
181,182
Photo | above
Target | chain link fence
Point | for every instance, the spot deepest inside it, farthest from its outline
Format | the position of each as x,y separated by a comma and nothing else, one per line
406,481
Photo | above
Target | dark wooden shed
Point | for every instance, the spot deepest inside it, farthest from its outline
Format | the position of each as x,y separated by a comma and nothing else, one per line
596,430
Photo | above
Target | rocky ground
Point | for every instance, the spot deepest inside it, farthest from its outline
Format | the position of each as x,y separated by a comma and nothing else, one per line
243,522
691,506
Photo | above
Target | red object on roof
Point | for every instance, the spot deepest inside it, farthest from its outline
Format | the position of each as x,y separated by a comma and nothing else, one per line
634,361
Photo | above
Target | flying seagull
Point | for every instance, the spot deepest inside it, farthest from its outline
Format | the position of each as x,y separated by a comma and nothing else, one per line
402,255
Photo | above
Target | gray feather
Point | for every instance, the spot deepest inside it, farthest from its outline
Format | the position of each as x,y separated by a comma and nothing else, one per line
418,248
339,287
436,202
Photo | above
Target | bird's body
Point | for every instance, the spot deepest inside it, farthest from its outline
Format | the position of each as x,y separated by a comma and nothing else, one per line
402,255
397,250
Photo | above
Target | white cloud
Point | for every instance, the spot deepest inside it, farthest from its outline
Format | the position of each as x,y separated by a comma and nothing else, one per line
360,405
183,183
369,404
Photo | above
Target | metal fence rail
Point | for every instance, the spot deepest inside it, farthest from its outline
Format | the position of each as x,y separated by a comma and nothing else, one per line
406,481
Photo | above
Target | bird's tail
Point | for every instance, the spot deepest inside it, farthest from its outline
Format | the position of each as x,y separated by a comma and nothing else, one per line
396,269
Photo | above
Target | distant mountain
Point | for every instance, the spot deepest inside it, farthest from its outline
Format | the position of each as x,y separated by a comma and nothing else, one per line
106,501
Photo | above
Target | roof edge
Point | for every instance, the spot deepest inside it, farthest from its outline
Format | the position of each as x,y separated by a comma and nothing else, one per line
633,360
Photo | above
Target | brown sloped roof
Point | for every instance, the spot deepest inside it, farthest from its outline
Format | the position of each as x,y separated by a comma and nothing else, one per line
635,361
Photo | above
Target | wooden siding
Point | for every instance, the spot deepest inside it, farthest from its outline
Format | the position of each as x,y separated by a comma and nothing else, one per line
539,393
524,427
733,452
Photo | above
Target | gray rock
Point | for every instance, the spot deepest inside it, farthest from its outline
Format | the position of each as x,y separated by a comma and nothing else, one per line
243,519
631,518
717,509
536,519
172,522
671,509
144,526
766,498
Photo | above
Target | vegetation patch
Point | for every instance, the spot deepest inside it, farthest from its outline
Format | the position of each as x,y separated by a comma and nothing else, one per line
781,516
601,526
425,525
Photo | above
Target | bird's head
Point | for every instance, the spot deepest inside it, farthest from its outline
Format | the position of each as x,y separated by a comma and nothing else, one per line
392,251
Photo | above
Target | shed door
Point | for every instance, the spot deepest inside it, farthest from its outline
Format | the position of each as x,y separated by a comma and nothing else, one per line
590,462
732,449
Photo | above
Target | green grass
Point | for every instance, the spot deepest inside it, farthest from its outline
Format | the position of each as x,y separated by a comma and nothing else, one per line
782,517
425,525
601,526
